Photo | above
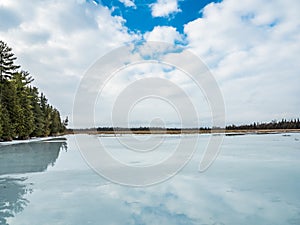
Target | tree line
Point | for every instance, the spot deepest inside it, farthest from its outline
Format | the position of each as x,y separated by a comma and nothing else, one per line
24,112
281,124
111,129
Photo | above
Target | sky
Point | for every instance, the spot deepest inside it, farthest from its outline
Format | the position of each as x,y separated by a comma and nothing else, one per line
251,48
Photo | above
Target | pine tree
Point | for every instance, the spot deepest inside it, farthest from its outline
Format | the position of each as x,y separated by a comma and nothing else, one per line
11,107
46,111
7,62
55,126
24,124
7,128
23,112
38,127
65,123
0,121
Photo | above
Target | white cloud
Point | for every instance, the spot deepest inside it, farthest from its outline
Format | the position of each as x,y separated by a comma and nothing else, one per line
163,8
164,34
128,3
58,40
172,85
252,49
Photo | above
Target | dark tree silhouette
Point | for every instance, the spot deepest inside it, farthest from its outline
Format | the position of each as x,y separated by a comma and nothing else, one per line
7,62
24,113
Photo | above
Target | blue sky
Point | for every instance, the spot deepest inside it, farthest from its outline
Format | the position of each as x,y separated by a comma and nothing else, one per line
251,48
139,18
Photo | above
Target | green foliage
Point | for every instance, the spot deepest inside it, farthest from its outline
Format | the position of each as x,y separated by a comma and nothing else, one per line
1,131
7,128
38,124
7,65
24,113
56,124
25,118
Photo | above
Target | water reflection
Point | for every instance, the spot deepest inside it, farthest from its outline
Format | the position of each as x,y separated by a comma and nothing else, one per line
255,180
20,159
12,201
29,157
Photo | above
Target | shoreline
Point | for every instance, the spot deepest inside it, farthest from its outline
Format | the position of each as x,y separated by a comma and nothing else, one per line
155,132
31,140
187,131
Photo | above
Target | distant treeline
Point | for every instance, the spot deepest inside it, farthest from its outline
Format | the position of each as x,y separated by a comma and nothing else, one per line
24,112
111,129
282,124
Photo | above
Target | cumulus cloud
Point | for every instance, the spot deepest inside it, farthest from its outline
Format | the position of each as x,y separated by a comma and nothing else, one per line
58,40
251,48
164,8
128,3
170,88
164,34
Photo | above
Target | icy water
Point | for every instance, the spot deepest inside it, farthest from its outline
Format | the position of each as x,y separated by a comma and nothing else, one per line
254,180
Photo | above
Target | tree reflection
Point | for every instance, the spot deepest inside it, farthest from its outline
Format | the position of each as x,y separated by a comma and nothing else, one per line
20,159
12,200
30,157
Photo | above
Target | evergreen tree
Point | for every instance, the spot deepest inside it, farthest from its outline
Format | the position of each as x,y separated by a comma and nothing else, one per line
11,107
0,121
23,112
64,125
7,128
38,125
25,119
55,125
7,62
46,111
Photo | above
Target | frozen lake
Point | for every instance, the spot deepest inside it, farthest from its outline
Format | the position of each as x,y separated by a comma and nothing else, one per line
254,180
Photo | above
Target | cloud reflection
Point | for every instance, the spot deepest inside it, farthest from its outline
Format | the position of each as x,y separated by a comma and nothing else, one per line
22,159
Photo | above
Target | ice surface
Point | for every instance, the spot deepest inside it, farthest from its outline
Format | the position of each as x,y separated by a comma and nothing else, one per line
255,180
